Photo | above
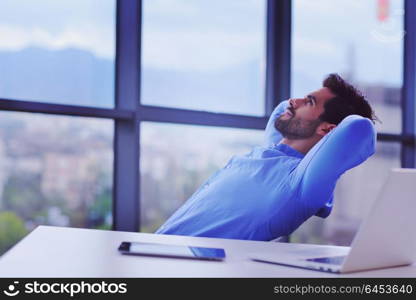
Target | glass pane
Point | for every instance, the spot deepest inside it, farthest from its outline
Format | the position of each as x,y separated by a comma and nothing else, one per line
58,51
54,171
177,159
204,55
354,195
362,40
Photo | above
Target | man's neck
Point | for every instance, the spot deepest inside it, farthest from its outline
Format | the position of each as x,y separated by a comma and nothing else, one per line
302,146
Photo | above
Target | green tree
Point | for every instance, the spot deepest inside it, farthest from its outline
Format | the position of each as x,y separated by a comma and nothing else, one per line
22,194
12,229
100,209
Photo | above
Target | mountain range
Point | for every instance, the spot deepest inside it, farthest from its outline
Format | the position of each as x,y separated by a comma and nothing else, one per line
78,77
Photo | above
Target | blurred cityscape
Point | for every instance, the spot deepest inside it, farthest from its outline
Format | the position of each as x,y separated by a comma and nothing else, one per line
54,171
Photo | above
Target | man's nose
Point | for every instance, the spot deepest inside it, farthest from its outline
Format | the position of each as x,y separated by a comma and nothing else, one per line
295,102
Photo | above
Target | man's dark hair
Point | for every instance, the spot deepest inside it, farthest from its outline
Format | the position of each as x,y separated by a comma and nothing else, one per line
347,101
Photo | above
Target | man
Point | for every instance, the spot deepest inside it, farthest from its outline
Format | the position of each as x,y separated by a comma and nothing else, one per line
268,193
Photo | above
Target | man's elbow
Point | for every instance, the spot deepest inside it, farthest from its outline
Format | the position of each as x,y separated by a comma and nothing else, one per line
363,133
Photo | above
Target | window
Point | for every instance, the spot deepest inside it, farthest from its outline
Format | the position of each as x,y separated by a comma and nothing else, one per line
361,40
54,171
58,51
204,55
177,159
354,39
64,53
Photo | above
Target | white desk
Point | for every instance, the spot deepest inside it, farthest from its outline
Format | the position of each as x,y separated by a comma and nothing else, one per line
68,252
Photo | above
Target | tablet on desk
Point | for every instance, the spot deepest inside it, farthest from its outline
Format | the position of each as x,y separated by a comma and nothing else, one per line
173,251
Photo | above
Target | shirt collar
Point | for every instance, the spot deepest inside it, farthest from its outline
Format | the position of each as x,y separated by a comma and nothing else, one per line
288,150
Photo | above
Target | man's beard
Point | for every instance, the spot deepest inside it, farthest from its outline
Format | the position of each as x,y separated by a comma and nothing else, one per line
296,129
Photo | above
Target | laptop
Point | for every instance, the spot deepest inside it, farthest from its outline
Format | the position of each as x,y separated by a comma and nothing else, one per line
386,237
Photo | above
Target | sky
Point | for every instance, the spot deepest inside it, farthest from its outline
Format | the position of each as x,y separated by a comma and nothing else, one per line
330,34
51,24
215,35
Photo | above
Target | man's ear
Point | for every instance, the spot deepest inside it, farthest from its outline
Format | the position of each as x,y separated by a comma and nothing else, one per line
324,128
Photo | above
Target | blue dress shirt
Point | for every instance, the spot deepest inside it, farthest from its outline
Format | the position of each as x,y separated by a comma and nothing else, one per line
272,190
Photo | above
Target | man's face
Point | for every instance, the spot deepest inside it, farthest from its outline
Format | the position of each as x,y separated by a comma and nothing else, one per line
301,118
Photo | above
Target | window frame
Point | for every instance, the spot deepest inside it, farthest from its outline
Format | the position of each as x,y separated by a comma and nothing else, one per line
128,112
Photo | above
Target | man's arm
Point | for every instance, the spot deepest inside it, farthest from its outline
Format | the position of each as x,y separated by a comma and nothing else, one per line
345,147
272,136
